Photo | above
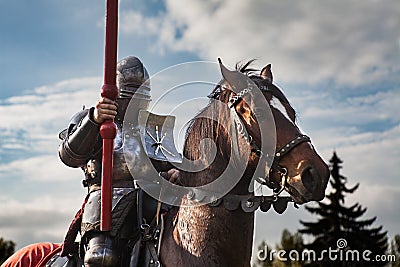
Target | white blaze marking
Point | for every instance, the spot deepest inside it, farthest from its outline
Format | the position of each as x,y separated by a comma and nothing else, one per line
276,103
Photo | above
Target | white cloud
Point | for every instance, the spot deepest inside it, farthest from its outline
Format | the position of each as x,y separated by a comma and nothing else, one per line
35,119
38,168
349,42
41,218
134,22
366,109
375,160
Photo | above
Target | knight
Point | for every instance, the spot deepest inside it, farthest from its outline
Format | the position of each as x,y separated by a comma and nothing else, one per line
135,234
81,147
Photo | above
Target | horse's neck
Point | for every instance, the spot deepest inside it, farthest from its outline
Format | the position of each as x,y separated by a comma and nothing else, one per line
204,235
212,236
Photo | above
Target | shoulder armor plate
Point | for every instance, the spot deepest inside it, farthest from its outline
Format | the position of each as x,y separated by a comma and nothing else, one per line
75,120
156,133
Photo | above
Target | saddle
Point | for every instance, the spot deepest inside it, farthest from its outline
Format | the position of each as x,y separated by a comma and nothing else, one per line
143,249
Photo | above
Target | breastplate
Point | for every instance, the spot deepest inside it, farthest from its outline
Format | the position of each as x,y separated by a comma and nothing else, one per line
120,168
128,148
133,161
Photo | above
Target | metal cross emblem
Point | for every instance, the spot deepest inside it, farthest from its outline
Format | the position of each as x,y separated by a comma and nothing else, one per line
158,139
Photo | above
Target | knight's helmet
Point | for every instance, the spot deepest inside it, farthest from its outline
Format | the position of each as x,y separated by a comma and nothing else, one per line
133,84
132,79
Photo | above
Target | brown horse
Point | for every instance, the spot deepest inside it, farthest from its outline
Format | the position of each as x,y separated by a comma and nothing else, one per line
221,234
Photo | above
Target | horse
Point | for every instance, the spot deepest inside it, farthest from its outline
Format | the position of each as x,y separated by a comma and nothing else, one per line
219,232
216,235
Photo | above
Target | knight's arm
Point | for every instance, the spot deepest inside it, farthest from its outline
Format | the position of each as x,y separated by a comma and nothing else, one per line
81,140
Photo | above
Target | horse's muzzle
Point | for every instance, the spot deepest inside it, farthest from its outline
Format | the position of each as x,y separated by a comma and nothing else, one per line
315,181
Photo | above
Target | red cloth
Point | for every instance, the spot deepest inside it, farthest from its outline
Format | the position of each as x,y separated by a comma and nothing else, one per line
35,255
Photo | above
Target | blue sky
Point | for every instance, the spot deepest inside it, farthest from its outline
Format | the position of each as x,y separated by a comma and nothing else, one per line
337,62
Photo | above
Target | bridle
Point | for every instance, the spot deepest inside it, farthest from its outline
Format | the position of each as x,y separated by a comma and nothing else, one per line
284,150
282,171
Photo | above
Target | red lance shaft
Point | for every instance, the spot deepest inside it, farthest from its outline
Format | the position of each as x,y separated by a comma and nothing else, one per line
108,129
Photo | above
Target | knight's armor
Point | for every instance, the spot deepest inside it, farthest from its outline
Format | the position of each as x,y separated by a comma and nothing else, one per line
82,147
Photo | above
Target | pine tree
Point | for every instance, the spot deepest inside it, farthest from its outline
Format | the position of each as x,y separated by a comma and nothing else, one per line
7,248
395,251
263,256
340,227
291,244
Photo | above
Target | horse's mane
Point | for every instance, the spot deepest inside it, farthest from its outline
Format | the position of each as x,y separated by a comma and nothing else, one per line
201,127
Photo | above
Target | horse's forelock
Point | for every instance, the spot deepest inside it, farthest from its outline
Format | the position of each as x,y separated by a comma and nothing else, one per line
275,91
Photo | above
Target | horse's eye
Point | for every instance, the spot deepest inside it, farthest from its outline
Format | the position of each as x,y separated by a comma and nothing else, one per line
242,110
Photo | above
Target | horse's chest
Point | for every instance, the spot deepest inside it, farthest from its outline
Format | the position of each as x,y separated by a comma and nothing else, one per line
191,229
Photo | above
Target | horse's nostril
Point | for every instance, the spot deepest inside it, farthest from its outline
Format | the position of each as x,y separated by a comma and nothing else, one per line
307,179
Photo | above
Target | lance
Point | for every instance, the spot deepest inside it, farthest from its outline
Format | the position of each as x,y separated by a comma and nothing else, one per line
108,129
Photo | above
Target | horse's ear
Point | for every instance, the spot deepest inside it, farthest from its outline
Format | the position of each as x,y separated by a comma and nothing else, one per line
237,80
266,73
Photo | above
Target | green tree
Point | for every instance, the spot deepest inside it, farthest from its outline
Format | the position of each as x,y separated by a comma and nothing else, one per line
290,244
395,250
263,256
7,248
339,227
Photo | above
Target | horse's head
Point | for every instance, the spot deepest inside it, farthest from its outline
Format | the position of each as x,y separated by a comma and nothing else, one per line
296,166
